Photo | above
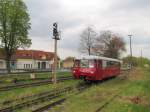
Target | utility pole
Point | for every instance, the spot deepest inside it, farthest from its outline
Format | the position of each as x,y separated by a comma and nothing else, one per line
55,37
141,57
130,36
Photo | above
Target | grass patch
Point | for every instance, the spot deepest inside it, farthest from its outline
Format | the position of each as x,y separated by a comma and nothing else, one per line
134,95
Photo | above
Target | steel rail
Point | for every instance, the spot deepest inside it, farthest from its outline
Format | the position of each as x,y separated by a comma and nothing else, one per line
48,81
43,98
60,101
47,97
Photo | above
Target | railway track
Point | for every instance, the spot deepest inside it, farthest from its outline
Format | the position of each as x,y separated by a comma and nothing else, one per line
47,81
49,106
8,102
114,96
42,98
24,80
60,101
106,103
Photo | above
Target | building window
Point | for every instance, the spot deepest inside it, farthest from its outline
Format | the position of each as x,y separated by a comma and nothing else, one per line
1,63
27,66
13,63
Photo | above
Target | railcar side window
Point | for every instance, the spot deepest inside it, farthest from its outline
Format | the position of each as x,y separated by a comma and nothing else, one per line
112,64
117,64
104,64
91,63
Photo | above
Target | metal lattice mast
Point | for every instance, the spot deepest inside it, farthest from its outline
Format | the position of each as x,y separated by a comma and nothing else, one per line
130,36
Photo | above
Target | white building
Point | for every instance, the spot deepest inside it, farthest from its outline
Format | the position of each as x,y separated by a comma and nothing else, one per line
29,59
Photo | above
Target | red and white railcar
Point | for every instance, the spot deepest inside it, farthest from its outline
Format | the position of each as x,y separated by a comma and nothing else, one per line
94,68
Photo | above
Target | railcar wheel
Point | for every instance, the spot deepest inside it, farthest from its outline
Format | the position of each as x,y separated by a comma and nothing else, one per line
87,81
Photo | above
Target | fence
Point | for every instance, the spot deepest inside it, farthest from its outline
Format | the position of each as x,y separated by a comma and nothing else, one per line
4,71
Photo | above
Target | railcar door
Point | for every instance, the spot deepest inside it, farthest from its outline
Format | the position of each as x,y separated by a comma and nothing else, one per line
99,74
105,69
76,68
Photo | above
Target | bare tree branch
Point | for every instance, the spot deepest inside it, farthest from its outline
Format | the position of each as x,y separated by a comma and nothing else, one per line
87,40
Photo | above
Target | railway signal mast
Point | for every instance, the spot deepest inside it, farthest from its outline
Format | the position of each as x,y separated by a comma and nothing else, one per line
55,37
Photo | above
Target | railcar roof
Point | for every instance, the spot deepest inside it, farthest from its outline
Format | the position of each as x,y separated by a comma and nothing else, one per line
98,57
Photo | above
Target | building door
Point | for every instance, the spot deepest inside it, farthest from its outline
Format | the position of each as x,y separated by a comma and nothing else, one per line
43,65
39,65
13,65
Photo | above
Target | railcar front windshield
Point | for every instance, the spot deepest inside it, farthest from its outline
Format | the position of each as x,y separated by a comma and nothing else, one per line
77,63
87,63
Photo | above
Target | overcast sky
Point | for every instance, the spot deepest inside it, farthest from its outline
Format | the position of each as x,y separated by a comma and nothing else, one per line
73,16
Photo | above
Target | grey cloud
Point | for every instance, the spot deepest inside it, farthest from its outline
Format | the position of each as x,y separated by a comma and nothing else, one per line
71,42
131,4
138,40
120,13
44,13
43,17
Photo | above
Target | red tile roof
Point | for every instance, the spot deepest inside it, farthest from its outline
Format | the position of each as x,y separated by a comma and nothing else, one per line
31,54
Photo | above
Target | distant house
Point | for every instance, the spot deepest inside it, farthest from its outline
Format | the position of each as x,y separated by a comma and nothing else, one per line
29,59
68,62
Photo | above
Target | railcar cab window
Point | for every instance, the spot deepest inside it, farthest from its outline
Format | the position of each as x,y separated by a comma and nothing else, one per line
87,63
77,63
108,64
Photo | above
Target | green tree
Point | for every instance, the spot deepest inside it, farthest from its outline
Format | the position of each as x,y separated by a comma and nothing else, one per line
127,60
137,61
14,26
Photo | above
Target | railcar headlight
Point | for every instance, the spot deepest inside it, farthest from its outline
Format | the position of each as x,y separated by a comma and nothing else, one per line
92,72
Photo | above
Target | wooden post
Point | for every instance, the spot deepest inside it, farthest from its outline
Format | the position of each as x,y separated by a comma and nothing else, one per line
55,63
